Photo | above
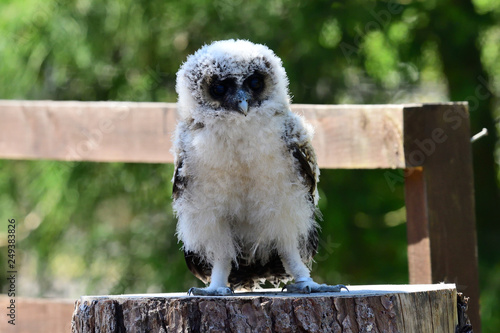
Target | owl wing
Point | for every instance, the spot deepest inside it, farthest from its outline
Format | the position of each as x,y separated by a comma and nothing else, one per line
306,162
298,142
180,181
299,145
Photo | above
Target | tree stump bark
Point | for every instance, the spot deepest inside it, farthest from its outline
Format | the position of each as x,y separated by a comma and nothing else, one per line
380,308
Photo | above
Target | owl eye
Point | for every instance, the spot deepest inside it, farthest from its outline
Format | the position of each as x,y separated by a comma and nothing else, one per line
255,82
218,90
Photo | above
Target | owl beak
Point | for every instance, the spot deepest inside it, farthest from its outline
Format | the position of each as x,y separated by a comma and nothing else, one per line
242,100
243,106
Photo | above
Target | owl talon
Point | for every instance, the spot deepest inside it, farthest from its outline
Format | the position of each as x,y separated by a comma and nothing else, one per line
221,291
309,286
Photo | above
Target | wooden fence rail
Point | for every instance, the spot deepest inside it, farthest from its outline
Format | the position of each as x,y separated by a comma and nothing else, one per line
37,315
431,142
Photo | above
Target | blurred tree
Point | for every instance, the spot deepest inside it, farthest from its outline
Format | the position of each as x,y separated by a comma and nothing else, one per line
108,228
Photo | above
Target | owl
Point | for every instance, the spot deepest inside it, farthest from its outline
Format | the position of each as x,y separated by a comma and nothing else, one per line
244,186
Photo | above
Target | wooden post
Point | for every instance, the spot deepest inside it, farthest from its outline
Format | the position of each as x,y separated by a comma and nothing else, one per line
402,308
440,200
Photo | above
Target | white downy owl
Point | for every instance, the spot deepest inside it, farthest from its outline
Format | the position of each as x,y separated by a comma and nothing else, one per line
245,180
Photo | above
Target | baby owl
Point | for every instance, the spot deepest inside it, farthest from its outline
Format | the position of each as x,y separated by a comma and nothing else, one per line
244,187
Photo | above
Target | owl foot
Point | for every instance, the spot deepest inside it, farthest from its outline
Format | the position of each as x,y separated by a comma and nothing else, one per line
307,286
221,291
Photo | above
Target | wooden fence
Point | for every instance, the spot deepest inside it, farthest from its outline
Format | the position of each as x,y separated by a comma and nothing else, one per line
430,142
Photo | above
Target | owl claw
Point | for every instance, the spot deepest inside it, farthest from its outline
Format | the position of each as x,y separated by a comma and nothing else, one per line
309,286
221,291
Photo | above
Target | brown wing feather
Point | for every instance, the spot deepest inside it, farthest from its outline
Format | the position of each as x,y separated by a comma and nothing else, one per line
303,153
180,182
306,170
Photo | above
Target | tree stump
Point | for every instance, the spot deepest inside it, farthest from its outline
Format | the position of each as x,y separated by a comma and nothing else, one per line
379,308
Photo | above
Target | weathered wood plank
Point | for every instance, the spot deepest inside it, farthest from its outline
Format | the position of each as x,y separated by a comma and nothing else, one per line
356,136
86,131
347,136
377,308
37,315
440,199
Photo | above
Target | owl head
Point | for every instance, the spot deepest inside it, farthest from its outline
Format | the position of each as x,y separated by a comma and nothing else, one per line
231,78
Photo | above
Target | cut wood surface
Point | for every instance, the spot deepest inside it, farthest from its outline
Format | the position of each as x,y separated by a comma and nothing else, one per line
39,315
347,136
379,308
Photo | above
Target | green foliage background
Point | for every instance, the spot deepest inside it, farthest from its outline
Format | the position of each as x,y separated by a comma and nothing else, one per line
95,228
